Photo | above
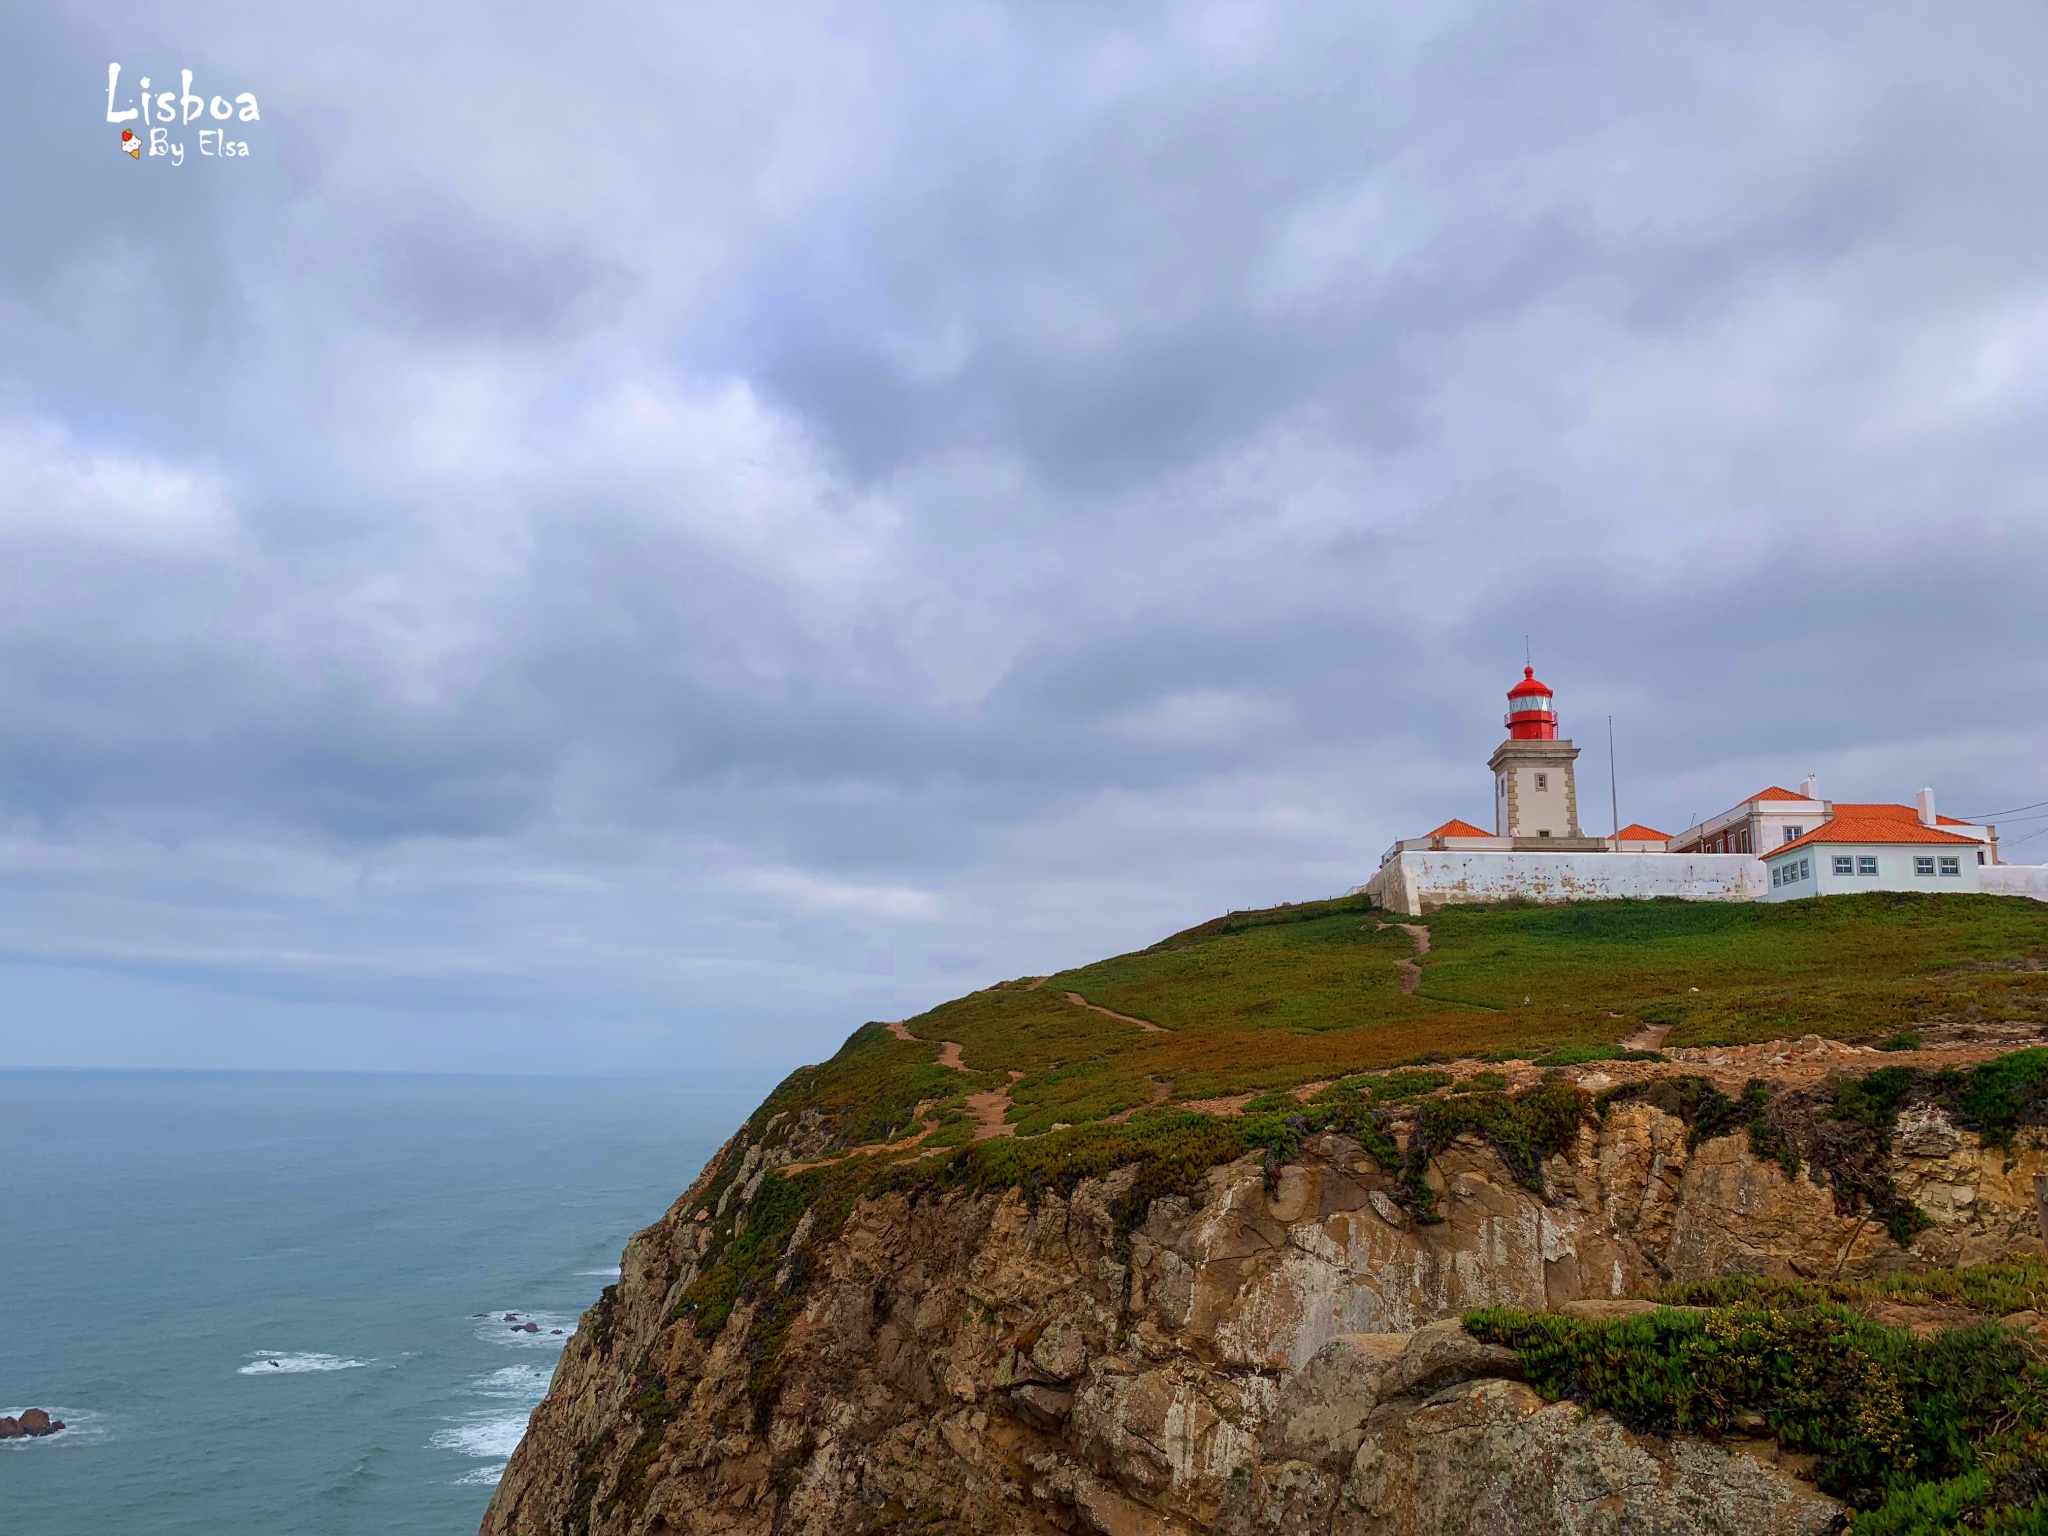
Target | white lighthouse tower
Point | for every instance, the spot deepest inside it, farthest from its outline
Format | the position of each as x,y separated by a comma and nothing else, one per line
1535,791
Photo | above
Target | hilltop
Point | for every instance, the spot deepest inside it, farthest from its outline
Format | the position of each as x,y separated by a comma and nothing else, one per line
1718,1217
1264,1001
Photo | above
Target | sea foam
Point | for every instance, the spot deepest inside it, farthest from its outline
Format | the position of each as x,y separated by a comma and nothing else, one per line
275,1362
522,1383
493,1438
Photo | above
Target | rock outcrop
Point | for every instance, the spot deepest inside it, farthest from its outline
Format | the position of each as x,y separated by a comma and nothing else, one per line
1277,1353
32,1424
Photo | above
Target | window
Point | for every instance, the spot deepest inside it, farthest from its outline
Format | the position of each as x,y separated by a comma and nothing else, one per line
1923,866
1793,834
1777,876
1543,781
1543,831
1805,870
1952,866
1980,855
1844,865
1866,864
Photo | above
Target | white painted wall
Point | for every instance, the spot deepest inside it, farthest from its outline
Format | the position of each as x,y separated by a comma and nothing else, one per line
1541,810
2015,880
1411,881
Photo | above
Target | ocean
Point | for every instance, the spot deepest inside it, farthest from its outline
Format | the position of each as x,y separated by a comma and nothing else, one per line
271,1303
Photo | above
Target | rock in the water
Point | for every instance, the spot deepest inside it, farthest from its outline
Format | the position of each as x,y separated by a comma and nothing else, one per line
10,1427
33,1423
531,1328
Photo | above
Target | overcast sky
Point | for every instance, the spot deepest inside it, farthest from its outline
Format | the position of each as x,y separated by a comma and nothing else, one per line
627,538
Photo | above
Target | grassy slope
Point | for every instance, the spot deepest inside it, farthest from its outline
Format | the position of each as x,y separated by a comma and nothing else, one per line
1270,1000
1267,1000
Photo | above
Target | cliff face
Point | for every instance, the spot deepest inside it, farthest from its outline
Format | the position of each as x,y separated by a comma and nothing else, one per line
1274,1353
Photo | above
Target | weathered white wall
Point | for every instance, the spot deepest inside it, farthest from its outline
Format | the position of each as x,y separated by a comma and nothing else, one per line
1410,882
2014,880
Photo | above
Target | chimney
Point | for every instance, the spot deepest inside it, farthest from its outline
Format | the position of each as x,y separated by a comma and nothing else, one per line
1926,807
1809,787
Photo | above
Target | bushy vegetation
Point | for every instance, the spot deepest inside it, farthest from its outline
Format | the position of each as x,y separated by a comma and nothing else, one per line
1946,1432
2015,1283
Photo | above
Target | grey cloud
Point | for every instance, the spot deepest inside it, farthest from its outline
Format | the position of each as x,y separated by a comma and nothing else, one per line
437,275
848,513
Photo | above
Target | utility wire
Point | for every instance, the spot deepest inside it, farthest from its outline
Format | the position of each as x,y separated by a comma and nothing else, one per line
1987,815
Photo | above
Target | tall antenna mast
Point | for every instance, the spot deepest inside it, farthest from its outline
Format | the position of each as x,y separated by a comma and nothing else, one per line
1613,794
1527,661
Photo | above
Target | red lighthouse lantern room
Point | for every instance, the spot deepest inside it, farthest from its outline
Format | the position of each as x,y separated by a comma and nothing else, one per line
1531,715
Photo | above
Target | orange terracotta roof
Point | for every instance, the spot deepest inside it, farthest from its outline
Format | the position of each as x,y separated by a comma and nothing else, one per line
1774,793
1636,832
1899,813
1857,828
1457,828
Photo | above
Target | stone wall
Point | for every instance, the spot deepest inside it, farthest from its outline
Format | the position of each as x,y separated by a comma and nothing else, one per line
1417,881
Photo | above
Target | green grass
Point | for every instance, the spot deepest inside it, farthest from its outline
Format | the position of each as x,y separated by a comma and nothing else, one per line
1846,966
1263,1002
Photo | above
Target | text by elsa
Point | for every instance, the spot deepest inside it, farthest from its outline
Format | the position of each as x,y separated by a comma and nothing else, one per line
168,107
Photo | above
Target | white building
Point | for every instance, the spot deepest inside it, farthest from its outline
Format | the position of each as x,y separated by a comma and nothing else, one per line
1774,846
1882,848
1768,819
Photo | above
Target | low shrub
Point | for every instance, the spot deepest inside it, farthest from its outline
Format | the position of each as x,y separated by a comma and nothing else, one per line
2016,1283
1579,1055
1882,1410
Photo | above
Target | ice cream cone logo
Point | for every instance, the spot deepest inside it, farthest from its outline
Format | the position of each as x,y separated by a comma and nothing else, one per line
131,144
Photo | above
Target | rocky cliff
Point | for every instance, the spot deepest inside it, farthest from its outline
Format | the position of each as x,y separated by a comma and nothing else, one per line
1267,1344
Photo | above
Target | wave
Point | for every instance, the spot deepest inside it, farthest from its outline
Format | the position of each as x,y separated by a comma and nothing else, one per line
491,1439
485,1476
273,1362
608,1274
523,1383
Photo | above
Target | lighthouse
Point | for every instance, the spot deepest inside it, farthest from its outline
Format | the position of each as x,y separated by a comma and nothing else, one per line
1535,793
